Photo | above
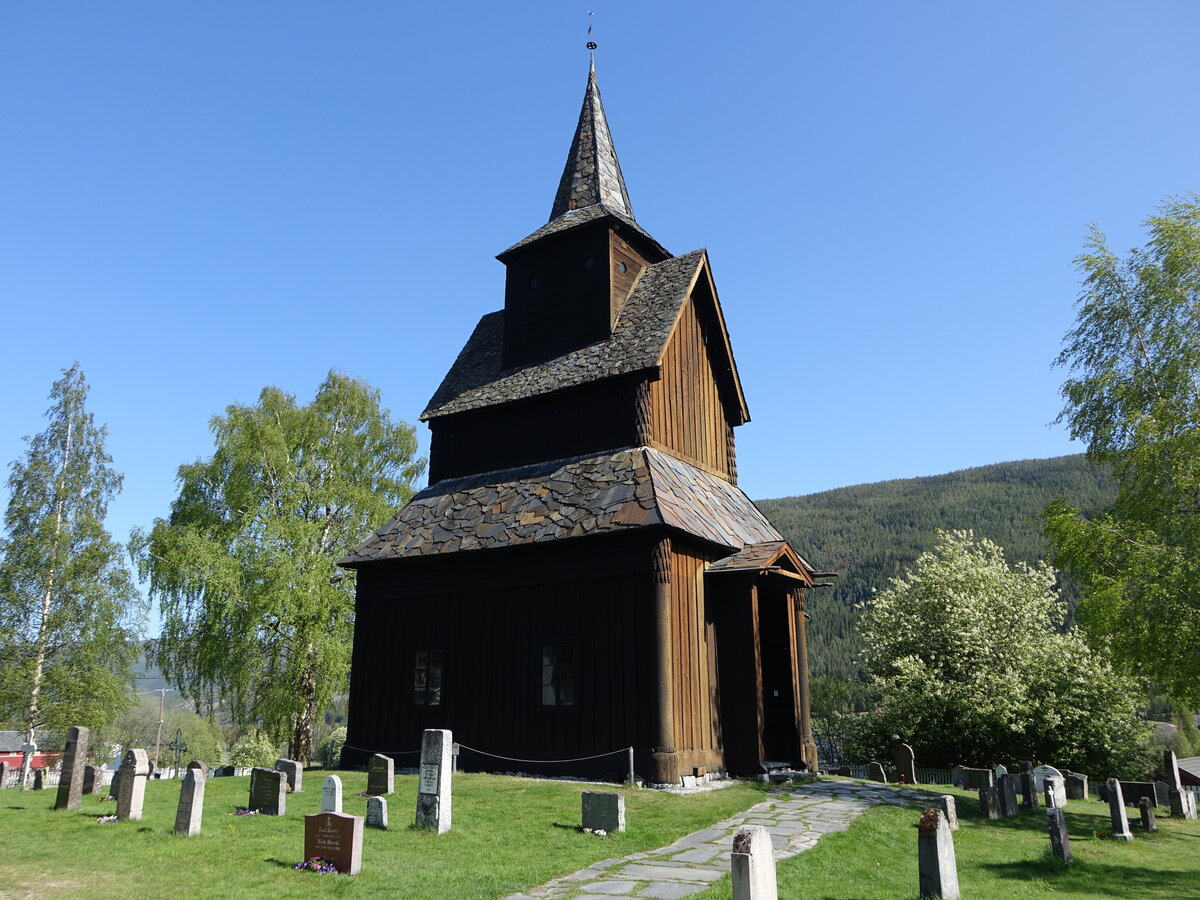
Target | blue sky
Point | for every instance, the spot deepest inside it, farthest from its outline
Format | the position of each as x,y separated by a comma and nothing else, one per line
197,200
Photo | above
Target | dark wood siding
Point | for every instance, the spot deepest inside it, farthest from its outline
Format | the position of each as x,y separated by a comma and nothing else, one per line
688,416
596,418
492,611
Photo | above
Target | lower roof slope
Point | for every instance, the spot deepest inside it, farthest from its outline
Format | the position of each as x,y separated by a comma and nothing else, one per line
631,488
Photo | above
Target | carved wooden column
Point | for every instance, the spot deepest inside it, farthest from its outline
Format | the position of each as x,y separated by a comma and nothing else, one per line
731,454
808,747
644,413
665,767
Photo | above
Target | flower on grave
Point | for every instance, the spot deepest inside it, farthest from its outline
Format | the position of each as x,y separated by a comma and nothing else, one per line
601,832
103,819
587,831
242,811
317,864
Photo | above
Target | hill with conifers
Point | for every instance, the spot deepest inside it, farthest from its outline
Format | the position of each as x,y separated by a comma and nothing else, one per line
868,533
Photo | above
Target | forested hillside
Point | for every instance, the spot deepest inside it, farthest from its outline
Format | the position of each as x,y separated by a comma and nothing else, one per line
870,532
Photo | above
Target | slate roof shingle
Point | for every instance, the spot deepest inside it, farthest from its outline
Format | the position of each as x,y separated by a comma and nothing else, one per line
476,379
631,488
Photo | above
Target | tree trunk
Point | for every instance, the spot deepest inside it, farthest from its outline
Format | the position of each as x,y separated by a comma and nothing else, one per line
302,737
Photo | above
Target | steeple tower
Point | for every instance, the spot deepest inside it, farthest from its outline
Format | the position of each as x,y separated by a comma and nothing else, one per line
592,174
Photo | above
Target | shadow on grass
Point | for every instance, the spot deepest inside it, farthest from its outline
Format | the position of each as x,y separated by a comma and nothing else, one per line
1091,877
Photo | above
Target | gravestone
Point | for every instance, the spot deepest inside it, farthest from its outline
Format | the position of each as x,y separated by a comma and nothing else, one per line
1171,771
190,811
1147,815
1076,786
937,868
845,772
377,813
1134,791
114,786
1000,771
381,777
293,771
331,794
224,771
131,794
1051,790
3,774
1040,776
752,864
1183,804
91,779
949,809
1060,841
989,802
604,811
153,772
875,772
70,781
1007,789
336,837
39,778
1029,794
906,765
268,791
974,779
196,764
433,780
1116,810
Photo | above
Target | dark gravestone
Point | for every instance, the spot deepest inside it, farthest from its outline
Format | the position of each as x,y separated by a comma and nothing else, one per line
975,779
1183,804
3,774
268,791
114,786
1060,841
1026,765
1008,795
1029,794
1077,786
190,811
294,771
989,802
381,778
1147,815
937,868
70,782
224,771
91,779
875,772
39,779
1052,794
336,837
196,764
906,766
1134,791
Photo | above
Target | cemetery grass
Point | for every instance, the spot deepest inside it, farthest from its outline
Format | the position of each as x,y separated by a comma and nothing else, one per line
508,835
1007,859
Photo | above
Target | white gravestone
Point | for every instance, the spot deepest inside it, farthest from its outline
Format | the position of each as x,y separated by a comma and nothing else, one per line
377,813
1041,773
433,782
331,794
752,864
937,869
1116,809
191,803
131,795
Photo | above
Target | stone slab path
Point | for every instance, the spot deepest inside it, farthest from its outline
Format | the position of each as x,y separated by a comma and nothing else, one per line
795,815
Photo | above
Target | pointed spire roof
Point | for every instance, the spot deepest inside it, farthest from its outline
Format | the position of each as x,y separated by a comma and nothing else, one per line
592,175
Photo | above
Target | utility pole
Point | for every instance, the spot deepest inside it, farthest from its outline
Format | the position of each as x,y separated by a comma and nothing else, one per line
162,695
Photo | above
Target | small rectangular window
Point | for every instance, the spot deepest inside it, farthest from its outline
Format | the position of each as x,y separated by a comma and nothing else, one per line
427,678
558,675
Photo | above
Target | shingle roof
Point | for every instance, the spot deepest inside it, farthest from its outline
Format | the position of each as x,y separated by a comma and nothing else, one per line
643,325
631,488
592,174
576,218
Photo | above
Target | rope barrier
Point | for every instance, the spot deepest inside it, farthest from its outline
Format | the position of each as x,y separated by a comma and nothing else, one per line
496,755
384,752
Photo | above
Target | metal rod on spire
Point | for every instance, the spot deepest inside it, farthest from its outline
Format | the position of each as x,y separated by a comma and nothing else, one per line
591,45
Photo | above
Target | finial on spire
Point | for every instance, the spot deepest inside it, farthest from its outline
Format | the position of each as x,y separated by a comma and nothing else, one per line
591,45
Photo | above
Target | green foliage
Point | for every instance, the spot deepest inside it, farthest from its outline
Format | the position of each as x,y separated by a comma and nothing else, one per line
254,748
138,727
69,612
254,607
1134,396
972,666
870,532
331,747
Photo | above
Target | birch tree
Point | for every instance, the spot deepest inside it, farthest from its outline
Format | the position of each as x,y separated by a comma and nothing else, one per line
254,606
69,612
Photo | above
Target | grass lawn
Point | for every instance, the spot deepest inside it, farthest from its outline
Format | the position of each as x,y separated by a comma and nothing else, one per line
1010,858
509,834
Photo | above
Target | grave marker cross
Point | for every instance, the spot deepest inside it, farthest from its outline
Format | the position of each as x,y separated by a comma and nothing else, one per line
178,746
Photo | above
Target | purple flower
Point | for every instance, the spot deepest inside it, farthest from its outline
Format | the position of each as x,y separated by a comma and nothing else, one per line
317,864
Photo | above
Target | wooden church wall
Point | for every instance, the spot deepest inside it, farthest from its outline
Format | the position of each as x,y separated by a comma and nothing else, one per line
489,614
687,413
597,417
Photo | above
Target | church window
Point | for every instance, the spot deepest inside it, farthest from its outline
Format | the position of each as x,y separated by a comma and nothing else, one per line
427,678
558,675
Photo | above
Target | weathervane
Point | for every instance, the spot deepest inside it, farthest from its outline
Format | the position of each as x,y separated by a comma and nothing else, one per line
591,45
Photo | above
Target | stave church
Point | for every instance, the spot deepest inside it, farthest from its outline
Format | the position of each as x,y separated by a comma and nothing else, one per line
582,574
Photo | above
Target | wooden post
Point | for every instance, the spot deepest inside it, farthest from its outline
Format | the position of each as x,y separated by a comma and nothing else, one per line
663,752
808,747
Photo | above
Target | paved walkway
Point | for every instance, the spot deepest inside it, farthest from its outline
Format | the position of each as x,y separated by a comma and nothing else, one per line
796,815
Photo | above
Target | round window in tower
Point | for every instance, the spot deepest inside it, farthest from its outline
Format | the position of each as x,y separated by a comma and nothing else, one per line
622,268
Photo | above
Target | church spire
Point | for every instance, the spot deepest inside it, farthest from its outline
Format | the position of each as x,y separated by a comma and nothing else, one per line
592,174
